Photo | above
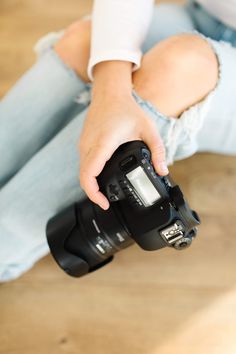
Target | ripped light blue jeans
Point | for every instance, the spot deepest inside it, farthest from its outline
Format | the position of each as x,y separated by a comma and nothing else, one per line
42,117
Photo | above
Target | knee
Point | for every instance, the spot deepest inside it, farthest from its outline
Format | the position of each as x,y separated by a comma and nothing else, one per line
74,47
177,73
191,56
79,29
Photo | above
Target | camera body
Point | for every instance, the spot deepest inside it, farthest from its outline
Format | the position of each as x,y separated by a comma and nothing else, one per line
144,208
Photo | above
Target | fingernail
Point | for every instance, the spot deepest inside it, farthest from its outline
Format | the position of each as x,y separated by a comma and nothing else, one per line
164,167
105,205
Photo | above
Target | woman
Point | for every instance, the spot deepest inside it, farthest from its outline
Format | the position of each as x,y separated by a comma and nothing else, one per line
179,99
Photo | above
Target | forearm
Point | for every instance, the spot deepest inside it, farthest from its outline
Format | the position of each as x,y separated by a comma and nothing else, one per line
113,79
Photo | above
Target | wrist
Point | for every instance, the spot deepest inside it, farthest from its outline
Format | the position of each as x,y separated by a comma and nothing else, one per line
112,78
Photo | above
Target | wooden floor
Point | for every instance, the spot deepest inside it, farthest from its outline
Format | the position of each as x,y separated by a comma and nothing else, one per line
162,302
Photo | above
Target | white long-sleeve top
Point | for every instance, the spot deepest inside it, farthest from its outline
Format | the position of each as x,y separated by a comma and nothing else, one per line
119,27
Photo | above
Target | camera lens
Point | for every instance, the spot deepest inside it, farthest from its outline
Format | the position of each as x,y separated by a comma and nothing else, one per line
98,234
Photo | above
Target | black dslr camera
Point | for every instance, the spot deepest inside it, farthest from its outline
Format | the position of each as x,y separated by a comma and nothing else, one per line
145,208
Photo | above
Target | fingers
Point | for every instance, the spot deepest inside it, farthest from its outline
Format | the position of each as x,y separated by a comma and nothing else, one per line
153,139
91,166
94,161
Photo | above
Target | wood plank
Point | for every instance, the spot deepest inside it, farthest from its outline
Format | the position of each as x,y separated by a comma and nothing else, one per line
162,302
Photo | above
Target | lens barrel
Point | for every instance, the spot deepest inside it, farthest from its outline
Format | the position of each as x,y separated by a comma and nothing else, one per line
85,237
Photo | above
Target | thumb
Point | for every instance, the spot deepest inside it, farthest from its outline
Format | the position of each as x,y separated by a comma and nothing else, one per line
158,156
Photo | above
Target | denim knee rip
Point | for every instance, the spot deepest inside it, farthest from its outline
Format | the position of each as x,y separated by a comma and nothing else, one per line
178,134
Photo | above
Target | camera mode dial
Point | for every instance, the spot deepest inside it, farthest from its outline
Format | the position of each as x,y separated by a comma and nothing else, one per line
183,243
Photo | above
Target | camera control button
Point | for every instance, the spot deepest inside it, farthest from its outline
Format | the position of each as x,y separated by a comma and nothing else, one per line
183,243
113,189
113,198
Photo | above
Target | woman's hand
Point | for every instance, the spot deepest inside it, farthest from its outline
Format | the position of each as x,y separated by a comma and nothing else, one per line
114,118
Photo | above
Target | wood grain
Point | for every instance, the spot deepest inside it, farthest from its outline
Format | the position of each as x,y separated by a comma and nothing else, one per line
162,302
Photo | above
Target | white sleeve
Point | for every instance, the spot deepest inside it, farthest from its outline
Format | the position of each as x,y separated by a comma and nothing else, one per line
118,30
